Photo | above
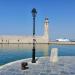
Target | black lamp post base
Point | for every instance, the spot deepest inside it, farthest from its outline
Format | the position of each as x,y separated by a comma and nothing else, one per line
33,61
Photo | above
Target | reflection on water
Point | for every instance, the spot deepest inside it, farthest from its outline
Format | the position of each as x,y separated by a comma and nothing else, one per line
13,52
25,47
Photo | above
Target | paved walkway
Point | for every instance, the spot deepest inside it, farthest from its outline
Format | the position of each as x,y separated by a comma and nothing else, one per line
64,66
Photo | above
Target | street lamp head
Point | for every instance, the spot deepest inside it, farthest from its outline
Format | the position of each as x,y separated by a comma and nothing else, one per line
34,12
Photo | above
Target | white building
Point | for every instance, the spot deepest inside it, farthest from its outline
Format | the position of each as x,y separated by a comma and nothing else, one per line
63,40
27,39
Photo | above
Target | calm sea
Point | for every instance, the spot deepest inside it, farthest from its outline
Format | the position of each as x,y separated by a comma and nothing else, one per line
13,52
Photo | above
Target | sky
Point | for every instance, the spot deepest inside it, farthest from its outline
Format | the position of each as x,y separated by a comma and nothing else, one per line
16,17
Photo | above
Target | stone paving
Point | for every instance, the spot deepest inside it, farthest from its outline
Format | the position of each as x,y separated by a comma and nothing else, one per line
43,66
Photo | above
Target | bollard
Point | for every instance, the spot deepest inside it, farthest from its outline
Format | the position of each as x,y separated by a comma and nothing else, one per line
24,65
54,55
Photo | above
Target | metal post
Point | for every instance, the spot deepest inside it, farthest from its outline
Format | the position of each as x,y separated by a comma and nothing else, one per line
33,26
33,50
33,53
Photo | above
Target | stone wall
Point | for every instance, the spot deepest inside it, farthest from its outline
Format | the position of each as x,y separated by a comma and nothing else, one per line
22,39
27,39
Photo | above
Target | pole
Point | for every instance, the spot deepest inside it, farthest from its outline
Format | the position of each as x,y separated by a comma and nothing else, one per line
33,50
34,26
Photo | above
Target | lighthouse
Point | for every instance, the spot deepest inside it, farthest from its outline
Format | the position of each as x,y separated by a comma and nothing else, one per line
46,30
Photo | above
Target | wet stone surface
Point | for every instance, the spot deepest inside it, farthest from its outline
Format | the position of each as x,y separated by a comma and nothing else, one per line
43,66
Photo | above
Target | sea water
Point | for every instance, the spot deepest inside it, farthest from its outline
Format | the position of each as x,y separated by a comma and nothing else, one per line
14,52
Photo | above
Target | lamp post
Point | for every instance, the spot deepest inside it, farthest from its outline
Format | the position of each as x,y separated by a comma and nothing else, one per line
34,12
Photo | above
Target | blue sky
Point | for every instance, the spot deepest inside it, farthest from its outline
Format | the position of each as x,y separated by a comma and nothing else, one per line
16,17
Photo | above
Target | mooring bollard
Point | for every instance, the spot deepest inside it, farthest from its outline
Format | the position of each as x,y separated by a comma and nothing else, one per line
54,55
24,65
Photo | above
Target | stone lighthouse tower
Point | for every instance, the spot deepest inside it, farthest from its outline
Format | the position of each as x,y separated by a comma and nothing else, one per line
46,30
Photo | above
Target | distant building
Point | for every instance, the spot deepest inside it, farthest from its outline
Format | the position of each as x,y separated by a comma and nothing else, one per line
27,39
63,40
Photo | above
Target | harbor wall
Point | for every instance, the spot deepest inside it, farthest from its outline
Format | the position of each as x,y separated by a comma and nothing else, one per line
62,43
22,39
26,39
